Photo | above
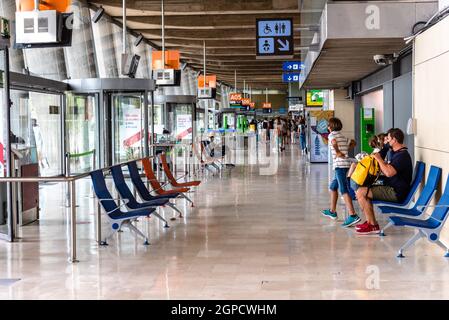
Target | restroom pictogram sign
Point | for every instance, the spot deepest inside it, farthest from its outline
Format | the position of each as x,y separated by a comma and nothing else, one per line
274,38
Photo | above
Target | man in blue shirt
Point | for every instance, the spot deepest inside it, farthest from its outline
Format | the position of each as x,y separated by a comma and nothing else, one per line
398,173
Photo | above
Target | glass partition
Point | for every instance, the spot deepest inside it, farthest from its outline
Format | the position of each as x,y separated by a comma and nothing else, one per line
82,138
180,122
127,126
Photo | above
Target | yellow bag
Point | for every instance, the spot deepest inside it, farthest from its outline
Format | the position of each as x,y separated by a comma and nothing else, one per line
366,172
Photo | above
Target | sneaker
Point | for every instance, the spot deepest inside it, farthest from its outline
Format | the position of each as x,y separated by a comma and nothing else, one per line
328,213
351,220
369,229
361,226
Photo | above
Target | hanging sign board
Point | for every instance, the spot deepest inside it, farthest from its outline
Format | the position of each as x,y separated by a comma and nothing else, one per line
292,66
235,98
246,101
274,38
266,105
171,60
211,81
252,105
58,5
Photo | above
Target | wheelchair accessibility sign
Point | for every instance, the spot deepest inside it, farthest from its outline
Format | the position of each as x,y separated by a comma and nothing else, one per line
274,38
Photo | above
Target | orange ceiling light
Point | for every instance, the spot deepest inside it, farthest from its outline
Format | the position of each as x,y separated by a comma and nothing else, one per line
58,5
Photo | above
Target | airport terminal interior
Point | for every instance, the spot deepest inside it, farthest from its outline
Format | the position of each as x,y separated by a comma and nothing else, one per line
224,149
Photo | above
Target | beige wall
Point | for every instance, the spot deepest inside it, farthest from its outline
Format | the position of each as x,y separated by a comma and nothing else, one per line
344,110
431,98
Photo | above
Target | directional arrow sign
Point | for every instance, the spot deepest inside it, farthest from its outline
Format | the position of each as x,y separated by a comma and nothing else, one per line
292,66
284,46
292,77
274,39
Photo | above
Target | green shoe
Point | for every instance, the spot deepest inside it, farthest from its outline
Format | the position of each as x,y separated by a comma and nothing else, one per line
328,213
351,220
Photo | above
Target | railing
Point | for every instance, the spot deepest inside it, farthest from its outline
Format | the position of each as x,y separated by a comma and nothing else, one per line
71,185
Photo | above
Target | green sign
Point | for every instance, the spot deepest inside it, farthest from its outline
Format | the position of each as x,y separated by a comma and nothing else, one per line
315,98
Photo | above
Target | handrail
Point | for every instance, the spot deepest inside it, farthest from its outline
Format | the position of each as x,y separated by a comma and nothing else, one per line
82,154
71,181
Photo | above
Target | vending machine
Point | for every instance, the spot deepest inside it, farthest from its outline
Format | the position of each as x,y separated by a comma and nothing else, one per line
318,135
367,128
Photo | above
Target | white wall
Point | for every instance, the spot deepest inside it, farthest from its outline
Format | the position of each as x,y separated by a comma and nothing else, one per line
431,97
344,110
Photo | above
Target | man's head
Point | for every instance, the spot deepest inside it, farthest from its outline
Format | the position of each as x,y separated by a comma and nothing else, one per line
212,138
395,137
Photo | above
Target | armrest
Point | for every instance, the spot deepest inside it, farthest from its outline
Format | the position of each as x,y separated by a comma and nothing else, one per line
124,203
434,206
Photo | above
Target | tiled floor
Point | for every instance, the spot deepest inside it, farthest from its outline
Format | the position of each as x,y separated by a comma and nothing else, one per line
249,237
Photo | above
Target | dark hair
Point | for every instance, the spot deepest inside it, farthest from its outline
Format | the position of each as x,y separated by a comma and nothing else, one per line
335,124
397,134
373,142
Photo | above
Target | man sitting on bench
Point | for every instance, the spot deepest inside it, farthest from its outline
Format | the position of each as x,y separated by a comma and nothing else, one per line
398,173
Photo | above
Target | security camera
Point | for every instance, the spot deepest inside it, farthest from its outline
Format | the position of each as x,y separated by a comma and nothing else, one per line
98,14
385,59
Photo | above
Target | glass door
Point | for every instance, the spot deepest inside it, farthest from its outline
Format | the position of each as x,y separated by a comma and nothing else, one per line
180,122
82,134
6,221
127,126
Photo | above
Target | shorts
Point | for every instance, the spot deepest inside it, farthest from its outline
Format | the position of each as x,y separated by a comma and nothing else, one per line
384,193
341,181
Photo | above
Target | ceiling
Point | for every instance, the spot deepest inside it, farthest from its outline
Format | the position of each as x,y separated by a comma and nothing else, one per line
228,29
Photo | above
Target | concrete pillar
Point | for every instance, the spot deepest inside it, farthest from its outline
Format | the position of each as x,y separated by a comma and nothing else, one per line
80,57
105,49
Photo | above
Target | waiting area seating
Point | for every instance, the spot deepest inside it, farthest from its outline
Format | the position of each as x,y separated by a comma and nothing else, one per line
414,215
130,209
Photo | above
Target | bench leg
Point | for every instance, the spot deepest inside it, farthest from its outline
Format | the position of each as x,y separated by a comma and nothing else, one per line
111,233
409,243
157,215
171,205
382,232
444,247
132,228
188,199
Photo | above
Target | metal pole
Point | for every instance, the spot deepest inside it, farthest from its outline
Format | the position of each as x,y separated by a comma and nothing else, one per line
124,26
163,33
145,125
235,79
9,160
73,222
67,174
266,94
244,88
36,5
98,222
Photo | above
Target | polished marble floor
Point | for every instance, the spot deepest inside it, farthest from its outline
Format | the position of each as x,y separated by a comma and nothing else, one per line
250,236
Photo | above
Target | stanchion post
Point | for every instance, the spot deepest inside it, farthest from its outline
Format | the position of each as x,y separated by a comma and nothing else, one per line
73,221
67,174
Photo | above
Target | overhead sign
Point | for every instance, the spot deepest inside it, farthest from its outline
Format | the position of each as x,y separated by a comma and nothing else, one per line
292,66
252,105
292,77
246,101
274,38
296,107
315,98
211,81
235,98
266,105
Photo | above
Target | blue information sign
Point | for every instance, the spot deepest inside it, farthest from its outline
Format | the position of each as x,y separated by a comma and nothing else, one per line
274,38
292,66
292,77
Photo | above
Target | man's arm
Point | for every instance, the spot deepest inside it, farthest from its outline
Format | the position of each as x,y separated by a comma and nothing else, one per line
387,169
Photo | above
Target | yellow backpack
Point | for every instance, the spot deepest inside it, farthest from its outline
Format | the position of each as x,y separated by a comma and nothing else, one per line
366,172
